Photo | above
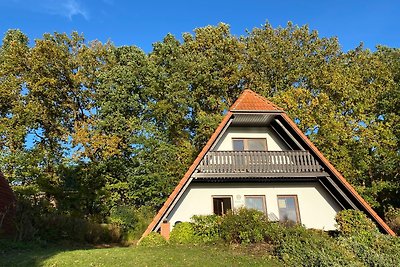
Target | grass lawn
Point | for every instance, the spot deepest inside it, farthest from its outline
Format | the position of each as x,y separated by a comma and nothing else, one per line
134,256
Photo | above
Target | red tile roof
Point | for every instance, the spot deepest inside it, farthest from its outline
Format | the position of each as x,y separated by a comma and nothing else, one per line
252,101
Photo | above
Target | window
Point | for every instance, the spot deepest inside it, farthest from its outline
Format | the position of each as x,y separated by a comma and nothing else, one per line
255,202
222,204
249,144
288,209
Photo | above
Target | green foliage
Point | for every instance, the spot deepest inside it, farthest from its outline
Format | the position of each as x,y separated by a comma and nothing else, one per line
207,227
132,221
392,217
374,249
360,235
153,240
243,226
298,246
350,222
183,233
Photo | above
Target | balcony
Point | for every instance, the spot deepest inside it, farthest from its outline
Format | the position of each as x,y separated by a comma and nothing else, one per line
259,163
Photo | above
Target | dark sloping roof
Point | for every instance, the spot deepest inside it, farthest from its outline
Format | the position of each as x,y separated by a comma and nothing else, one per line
250,101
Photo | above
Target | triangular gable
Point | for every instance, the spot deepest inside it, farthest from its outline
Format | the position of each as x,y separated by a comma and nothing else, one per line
250,101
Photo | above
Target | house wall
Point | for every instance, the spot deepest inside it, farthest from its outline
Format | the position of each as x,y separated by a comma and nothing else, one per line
317,208
274,142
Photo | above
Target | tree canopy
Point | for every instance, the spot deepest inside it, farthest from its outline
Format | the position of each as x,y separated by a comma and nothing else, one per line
90,126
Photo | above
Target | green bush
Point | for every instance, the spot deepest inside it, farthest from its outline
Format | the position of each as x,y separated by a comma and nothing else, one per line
392,217
374,249
361,236
183,233
298,246
97,233
244,226
153,240
207,227
351,222
132,221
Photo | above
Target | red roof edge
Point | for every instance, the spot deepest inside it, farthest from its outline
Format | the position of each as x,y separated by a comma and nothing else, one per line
338,175
251,101
187,175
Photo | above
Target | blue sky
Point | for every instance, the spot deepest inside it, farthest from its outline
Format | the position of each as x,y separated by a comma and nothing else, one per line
142,23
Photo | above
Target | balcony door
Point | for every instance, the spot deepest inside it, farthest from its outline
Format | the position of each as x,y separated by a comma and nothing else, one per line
249,144
245,161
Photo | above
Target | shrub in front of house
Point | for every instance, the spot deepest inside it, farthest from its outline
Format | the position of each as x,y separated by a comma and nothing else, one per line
153,240
298,246
374,249
183,233
361,236
243,226
351,222
207,228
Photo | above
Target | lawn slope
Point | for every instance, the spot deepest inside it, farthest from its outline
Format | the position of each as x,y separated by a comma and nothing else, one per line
135,256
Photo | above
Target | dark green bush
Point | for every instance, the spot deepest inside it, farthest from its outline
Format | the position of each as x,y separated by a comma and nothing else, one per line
183,233
59,227
153,240
132,221
351,222
244,226
207,228
392,217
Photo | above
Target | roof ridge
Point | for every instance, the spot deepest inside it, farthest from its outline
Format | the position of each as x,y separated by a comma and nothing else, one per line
250,100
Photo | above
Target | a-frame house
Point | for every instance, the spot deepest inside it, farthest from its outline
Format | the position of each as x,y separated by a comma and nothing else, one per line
258,158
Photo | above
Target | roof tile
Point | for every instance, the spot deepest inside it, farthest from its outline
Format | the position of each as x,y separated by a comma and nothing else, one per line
249,100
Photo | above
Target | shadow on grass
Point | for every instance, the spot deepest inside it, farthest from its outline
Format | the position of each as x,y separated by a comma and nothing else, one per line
14,253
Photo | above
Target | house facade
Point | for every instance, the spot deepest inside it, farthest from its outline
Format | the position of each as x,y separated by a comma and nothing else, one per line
258,158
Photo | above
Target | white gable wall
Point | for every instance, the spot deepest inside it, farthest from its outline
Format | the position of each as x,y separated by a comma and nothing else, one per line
317,208
274,142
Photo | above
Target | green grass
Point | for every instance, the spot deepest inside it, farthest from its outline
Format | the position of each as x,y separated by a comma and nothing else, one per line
135,256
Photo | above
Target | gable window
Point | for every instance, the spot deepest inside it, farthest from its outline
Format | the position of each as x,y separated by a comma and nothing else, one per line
249,144
255,202
221,204
288,209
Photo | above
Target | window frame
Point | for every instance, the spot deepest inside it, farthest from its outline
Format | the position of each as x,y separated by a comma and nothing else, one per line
246,145
264,202
296,202
221,196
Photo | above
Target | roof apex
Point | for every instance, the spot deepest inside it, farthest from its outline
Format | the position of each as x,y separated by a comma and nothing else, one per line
251,101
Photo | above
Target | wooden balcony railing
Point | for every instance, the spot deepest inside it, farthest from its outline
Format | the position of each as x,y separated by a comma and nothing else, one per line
258,162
